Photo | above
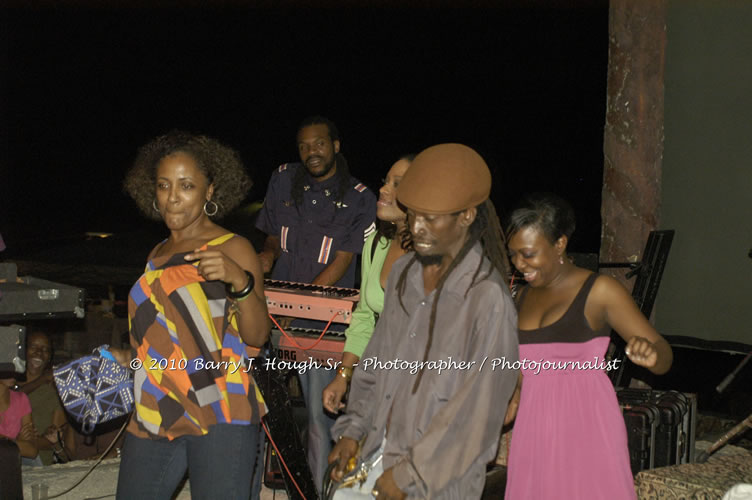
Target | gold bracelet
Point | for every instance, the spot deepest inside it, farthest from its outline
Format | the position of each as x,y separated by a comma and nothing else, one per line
346,372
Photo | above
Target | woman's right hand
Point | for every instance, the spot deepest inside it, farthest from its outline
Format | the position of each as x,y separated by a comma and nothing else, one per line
511,414
216,265
333,394
28,432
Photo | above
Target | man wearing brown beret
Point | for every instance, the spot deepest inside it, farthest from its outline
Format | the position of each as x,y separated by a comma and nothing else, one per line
425,402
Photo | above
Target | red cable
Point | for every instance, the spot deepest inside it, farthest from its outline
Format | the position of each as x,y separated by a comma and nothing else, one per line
317,340
284,464
292,478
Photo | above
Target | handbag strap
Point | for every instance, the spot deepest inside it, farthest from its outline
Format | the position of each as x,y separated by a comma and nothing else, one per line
120,432
90,420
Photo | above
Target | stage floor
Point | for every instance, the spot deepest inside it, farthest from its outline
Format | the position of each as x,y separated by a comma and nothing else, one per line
100,484
728,466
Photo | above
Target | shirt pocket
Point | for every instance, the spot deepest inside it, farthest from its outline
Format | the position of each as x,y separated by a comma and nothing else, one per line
326,250
329,239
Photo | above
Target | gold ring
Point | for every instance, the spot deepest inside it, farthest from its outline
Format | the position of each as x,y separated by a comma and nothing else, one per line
375,492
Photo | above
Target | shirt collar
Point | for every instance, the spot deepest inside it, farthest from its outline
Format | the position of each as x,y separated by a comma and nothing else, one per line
313,185
460,277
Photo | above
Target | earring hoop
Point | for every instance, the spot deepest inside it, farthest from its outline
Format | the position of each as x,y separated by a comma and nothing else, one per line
213,212
154,205
561,259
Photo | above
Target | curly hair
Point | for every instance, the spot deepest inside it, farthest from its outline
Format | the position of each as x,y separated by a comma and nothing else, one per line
220,164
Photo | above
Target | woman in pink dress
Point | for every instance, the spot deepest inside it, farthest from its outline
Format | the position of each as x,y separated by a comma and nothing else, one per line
569,439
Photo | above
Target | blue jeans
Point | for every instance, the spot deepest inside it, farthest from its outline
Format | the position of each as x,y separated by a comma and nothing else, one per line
313,382
33,462
219,465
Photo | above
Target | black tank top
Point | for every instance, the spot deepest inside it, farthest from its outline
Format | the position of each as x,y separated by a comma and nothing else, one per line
571,327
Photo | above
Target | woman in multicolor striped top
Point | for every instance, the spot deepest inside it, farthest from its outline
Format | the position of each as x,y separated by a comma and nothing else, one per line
193,315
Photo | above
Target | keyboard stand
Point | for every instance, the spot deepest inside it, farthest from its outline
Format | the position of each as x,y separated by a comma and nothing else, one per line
283,429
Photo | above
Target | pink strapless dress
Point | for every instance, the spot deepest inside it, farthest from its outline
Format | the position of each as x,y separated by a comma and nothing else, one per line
569,440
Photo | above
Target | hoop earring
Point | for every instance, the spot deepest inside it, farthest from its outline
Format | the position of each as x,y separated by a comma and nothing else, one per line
561,260
214,212
154,205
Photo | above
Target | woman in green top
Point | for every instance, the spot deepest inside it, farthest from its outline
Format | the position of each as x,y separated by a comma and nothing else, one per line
380,251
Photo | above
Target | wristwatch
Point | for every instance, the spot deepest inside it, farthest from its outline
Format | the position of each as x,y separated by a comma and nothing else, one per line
346,372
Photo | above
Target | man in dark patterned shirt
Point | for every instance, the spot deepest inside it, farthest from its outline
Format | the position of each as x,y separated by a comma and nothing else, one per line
316,217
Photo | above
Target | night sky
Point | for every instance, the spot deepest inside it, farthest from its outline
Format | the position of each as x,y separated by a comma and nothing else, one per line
83,88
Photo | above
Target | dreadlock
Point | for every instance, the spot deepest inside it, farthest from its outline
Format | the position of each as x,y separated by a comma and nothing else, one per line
486,229
387,231
342,172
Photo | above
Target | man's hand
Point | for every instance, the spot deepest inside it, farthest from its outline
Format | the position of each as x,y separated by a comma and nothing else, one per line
386,489
333,394
267,261
271,251
284,322
345,449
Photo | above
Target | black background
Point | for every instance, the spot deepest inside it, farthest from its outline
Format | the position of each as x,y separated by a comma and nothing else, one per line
84,87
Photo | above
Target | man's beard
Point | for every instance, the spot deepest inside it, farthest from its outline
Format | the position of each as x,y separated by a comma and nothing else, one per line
429,260
327,168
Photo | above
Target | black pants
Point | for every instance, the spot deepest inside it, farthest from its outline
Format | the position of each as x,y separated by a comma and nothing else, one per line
11,487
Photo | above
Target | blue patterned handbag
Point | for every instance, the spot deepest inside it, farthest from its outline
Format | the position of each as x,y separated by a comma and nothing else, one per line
95,389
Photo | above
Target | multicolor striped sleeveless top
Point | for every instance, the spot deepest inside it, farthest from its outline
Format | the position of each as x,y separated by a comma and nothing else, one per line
193,372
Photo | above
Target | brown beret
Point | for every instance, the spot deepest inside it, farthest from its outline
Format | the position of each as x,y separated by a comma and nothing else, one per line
445,179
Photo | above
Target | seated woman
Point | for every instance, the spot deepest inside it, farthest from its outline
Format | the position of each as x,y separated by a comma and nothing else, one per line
193,315
569,438
15,419
380,251
48,415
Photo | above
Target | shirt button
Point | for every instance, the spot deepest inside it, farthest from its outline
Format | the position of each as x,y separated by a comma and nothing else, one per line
313,201
412,335
422,302
388,396
310,221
